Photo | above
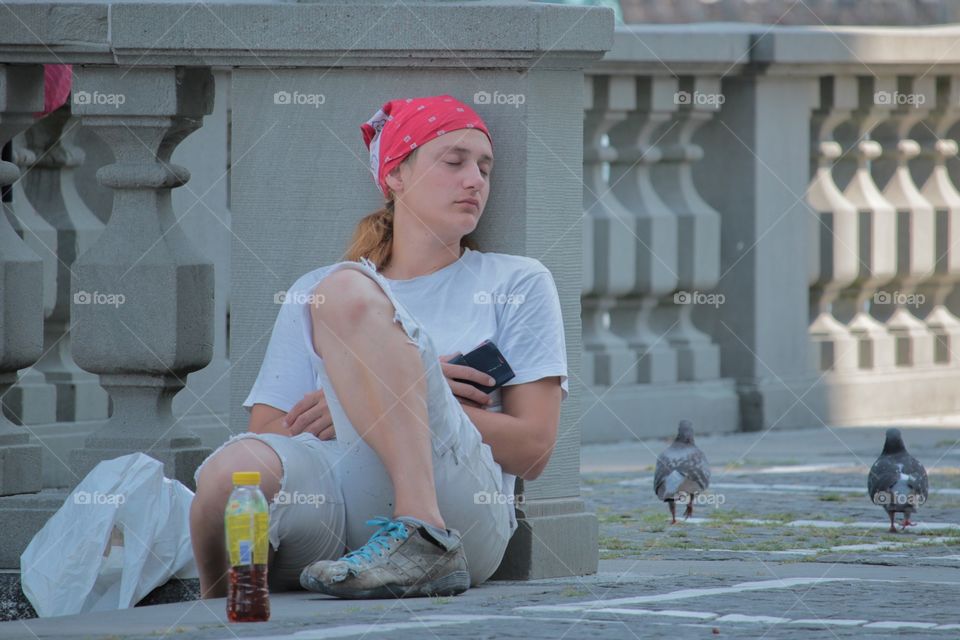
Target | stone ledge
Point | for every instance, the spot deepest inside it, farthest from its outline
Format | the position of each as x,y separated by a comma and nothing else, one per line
722,47
499,34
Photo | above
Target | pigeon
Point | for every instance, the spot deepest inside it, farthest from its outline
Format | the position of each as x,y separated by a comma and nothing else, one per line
897,481
682,472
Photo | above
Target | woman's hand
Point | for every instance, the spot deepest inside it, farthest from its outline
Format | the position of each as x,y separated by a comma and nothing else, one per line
311,415
467,394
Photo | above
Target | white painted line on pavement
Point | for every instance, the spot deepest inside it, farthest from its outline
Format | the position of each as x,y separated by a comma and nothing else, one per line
671,613
839,622
739,617
812,488
896,624
755,619
418,623
699,520
789,552
830,524
683,594
758,487
841,548
887,545
800,468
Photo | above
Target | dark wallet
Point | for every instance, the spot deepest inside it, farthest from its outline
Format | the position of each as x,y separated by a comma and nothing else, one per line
486,358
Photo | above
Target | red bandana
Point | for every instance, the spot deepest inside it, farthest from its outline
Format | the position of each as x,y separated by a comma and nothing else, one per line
400,126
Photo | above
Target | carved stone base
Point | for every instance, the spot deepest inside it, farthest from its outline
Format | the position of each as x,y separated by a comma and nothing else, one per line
555,538
31,401
19,466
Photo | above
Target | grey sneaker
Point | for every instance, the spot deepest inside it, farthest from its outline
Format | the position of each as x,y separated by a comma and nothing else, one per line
405,558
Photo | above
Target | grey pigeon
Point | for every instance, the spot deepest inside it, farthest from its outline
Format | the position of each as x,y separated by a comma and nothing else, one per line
682,472
897,481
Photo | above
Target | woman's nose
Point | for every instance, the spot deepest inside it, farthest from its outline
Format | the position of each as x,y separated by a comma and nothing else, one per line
474,179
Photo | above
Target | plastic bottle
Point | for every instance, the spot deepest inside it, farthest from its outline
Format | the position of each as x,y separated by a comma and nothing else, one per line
246,521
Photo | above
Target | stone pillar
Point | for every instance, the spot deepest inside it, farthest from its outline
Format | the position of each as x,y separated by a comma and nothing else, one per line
556,536
142,294
763,130
294,215
51,188
21,286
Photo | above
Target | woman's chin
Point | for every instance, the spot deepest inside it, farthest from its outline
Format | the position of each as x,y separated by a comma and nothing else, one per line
468,221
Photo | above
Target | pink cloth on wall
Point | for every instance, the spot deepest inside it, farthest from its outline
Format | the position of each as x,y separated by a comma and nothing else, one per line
57,80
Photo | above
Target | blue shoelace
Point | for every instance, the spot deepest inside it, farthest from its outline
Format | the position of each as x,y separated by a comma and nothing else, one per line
379,541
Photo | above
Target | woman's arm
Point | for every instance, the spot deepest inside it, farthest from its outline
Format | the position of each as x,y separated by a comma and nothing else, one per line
267,419
523,436
310,415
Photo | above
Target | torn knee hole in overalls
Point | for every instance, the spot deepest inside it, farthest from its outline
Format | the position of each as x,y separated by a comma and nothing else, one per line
413,330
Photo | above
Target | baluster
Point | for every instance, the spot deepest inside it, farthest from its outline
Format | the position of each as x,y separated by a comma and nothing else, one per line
610,237
836,230
655,247
205,403
21,286
914,219
33,400
698,235
939,190
155,324
876,230
50,186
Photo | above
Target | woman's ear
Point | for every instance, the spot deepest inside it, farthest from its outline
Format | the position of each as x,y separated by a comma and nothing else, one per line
394,181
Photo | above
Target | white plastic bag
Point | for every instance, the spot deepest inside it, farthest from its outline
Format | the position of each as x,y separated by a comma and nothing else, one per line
121,533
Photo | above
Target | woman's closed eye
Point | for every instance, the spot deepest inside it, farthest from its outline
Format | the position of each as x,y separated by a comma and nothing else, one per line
457,164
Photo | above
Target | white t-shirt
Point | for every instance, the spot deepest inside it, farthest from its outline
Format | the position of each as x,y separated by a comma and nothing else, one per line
511,300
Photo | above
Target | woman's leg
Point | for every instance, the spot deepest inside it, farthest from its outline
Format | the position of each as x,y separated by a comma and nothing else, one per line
206,511
377,374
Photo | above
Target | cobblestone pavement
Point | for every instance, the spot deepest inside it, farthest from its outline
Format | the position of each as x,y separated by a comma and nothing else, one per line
786,545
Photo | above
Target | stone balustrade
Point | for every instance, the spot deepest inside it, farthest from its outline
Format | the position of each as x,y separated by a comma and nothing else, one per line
769,228
750,227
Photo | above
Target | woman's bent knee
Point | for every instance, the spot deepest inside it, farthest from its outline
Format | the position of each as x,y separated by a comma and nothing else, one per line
354,293
215,480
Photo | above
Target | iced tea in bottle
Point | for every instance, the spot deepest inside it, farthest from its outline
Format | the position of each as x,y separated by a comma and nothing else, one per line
246,521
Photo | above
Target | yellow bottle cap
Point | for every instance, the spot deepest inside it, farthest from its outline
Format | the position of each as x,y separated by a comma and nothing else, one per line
246,477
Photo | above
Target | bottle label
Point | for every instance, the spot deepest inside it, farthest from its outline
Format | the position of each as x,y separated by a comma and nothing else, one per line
247,538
